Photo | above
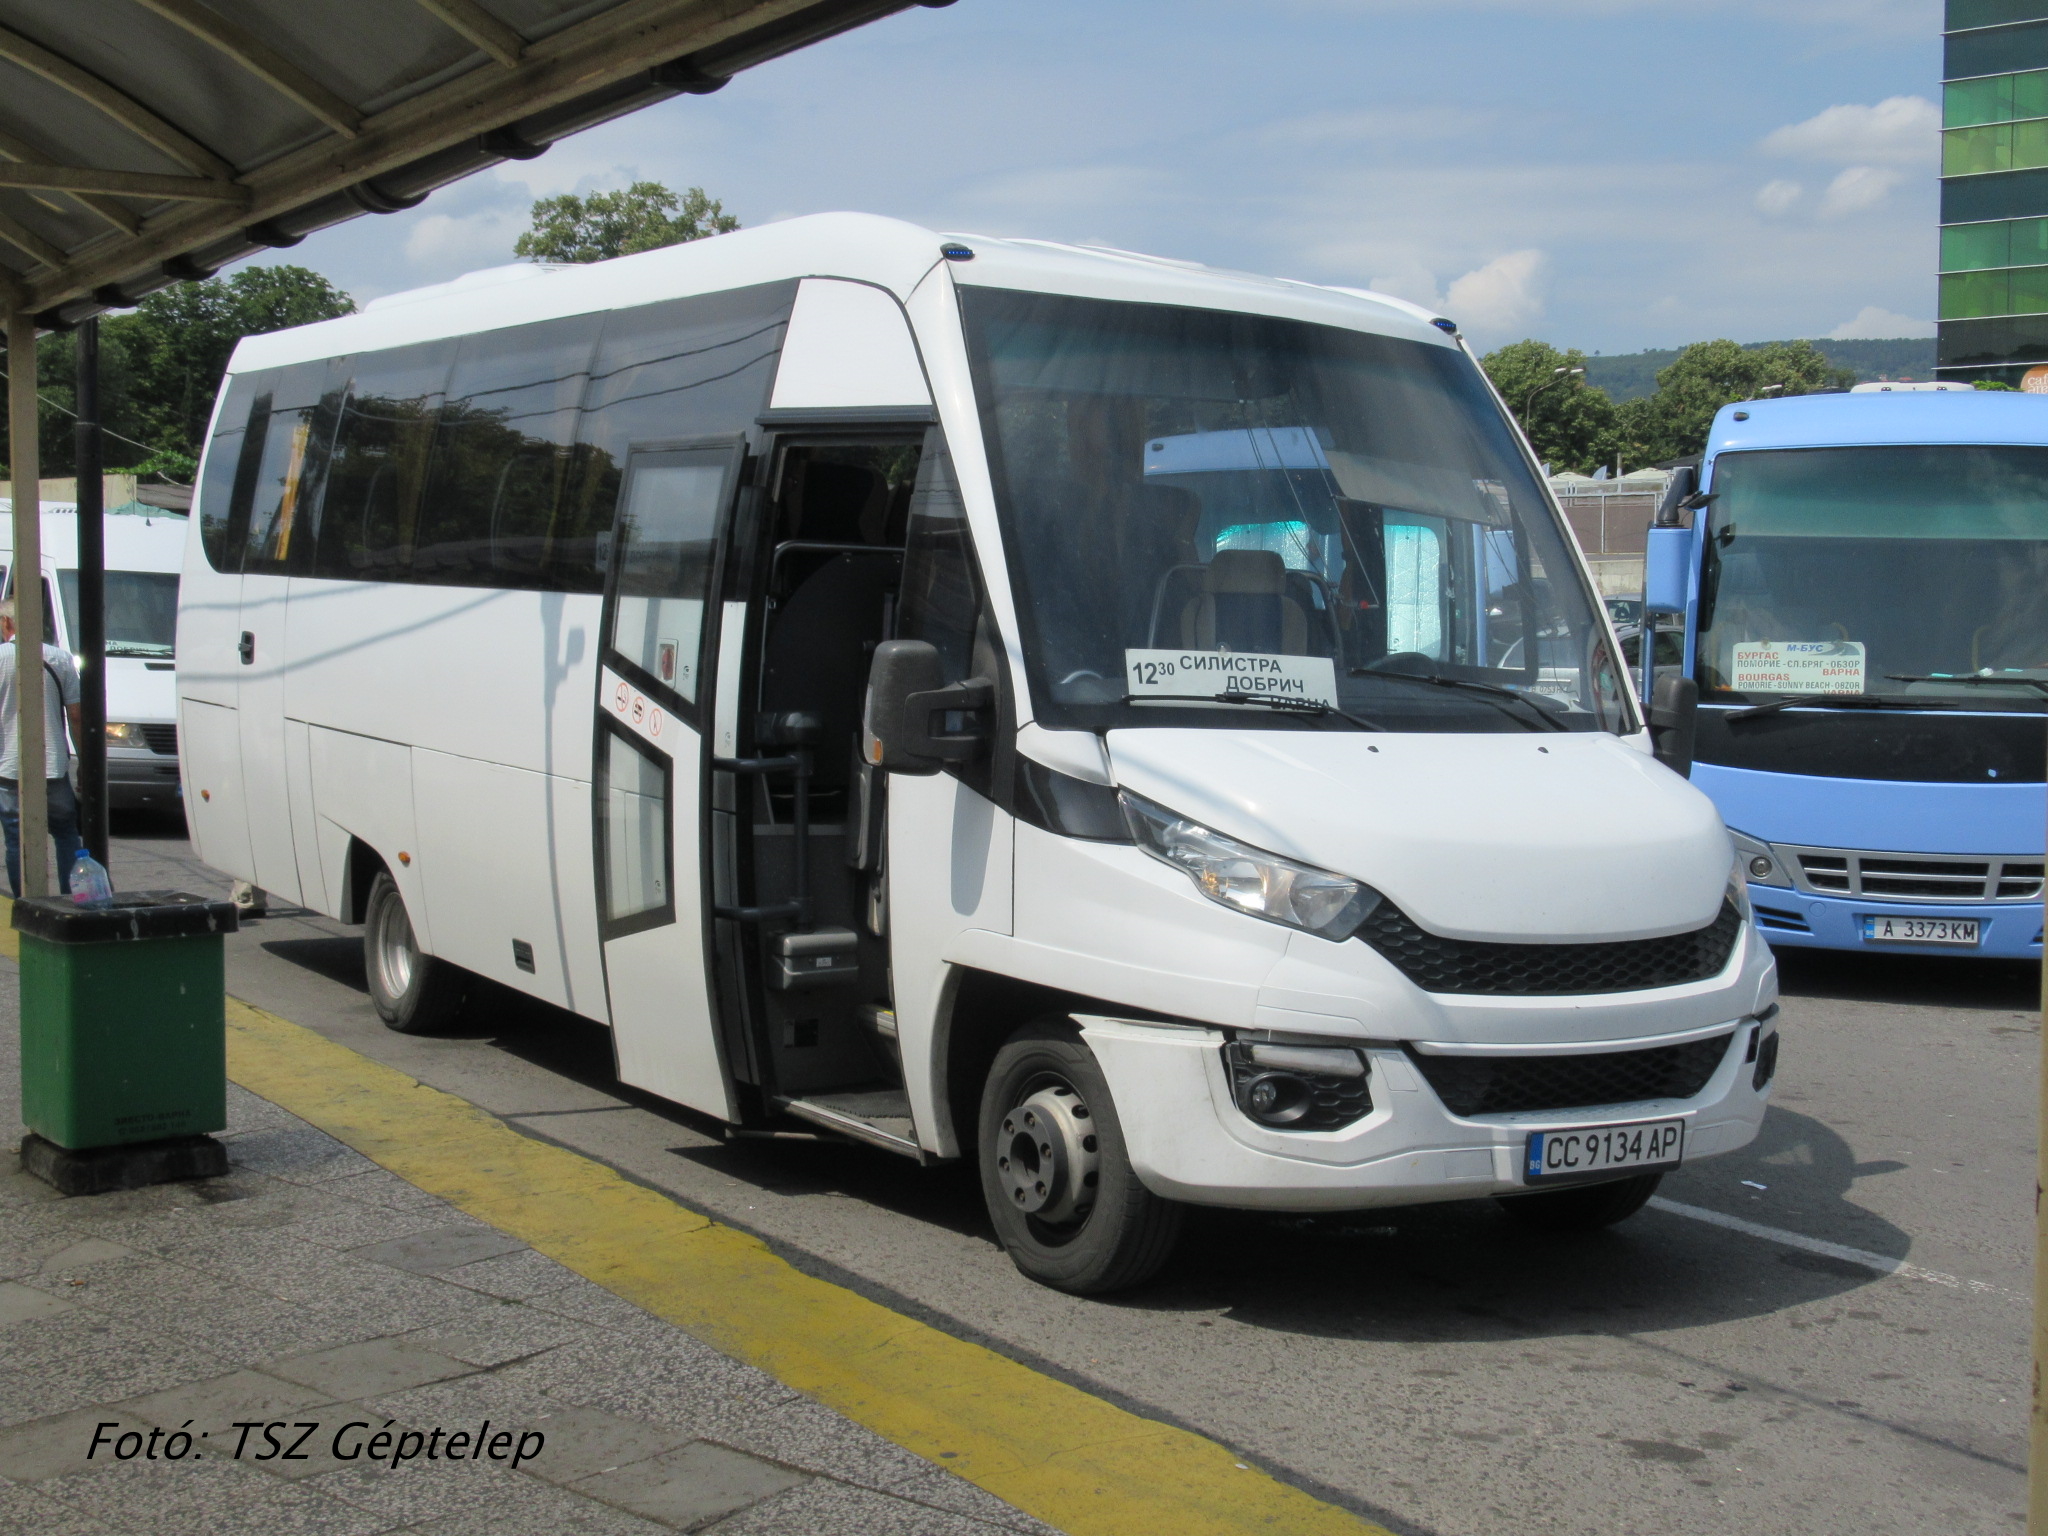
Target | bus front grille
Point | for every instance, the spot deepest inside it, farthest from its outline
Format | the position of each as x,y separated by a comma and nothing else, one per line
1914,876
1438,964
1503,1085
161,738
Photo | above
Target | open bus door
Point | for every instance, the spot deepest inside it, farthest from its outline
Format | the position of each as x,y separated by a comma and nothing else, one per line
647,780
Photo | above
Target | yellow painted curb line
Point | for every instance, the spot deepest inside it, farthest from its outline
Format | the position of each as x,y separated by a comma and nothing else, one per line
1050,1449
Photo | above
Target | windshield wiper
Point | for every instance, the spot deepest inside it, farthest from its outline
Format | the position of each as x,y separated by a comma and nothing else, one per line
1972,679
1549,721
1285,706
1833,701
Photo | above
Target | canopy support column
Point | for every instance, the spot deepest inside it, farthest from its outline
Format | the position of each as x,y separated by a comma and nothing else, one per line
29,677
89,623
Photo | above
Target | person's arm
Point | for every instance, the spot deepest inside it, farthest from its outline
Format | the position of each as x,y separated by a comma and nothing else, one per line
75,713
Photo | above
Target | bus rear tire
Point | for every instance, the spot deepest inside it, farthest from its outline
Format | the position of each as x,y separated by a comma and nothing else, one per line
1067,1205
1585,1209
414,993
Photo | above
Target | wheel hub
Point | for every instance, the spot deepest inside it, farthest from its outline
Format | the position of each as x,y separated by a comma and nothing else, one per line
395,949
1046,1158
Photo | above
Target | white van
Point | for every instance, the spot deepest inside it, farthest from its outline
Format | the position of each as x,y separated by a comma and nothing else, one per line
144,551
1144,728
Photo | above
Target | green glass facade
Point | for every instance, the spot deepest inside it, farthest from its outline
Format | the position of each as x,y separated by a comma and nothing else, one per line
1992,317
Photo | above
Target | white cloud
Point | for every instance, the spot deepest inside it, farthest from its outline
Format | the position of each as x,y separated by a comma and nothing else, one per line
1504,295
1858,188
1873,323
1775,197
1900,130
445,245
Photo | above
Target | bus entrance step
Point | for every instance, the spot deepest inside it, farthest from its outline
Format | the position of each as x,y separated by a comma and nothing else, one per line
881,1118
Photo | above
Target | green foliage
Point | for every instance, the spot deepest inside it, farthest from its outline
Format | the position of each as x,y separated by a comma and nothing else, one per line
1673,423
1991,384
1569,422
161,365
644,217
1626,375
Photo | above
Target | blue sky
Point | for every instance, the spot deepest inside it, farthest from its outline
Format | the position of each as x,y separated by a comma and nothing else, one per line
1608,174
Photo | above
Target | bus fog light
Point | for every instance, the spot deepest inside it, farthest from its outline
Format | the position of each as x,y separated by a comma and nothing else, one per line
1277,1098
1299,1087
1761,868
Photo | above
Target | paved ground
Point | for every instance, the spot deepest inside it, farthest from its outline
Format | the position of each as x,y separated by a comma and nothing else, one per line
1434,1367
312,1292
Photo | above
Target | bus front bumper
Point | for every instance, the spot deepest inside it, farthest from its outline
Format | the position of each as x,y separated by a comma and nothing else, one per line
1793,920
1189,1141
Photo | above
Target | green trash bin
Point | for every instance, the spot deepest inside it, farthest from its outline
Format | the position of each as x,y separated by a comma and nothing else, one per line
123,1039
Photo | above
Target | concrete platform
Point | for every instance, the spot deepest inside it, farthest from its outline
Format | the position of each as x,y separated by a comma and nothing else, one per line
309,1287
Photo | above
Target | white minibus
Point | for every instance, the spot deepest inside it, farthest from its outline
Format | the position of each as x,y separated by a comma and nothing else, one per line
1142,728
144,551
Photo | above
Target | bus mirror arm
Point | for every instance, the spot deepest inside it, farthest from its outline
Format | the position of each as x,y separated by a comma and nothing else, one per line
917,722
1674,712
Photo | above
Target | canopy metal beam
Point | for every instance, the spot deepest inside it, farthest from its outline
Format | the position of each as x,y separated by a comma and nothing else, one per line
581,62
480,27
115,103
81,178
31,244
12,148
260,60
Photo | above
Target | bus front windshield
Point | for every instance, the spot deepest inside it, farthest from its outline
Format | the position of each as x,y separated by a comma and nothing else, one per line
1918,574
1203,508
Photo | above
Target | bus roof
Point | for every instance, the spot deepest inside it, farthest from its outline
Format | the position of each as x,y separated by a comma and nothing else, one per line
1829,421
863,247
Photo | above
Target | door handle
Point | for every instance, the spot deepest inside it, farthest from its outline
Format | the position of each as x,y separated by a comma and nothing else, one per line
248,648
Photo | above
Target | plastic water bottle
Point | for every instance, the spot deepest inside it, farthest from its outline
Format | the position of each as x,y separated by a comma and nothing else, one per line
90,884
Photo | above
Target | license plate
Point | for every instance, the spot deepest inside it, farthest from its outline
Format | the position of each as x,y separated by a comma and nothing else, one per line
1604,1149
1920,930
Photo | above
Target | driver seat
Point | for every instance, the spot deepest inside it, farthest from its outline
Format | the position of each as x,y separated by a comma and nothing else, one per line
1244,605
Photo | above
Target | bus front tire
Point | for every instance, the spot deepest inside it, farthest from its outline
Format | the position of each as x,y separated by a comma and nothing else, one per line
1066,1203
414,993
1584,1209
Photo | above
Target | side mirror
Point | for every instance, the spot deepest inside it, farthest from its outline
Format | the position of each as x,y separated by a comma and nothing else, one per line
1667,552
916,722
1674,714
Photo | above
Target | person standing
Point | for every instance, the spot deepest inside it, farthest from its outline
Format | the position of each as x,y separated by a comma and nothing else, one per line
60,702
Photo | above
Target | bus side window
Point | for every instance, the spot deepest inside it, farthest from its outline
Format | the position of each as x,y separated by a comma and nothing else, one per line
286,490
381,446
941,599
495,489
667,536
223,466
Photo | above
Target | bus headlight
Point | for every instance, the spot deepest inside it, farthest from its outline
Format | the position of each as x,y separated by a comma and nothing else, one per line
1758,862
1247,879
119,735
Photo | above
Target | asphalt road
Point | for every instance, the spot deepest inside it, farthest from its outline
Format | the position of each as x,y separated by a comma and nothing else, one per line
1435,1368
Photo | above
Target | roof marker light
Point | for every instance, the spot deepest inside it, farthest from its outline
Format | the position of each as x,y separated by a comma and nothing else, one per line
1445,325
954,251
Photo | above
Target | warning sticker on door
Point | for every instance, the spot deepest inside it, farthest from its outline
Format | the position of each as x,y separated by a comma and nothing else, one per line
1798,666
1203,674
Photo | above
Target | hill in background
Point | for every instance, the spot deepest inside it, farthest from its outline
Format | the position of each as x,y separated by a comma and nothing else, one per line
1631,375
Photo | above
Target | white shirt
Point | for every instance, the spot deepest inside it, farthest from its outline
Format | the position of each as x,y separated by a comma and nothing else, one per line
60,687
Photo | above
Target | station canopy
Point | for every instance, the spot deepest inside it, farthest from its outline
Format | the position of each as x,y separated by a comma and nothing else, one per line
146,142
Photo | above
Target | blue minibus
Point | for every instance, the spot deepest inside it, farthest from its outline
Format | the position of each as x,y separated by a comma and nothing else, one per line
1864,583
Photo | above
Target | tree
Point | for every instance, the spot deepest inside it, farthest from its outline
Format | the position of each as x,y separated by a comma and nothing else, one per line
644,217
161,364
1673,422
1569,422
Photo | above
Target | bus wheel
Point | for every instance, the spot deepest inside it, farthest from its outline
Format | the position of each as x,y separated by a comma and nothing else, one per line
1060,1188
415,994
1585,1209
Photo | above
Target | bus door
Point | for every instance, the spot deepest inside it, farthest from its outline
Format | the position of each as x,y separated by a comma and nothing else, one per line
648,774
797,812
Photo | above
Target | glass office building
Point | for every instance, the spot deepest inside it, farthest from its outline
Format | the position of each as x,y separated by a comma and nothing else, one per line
1993,317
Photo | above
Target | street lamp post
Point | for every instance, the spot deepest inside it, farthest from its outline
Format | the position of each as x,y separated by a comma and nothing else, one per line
1557,376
